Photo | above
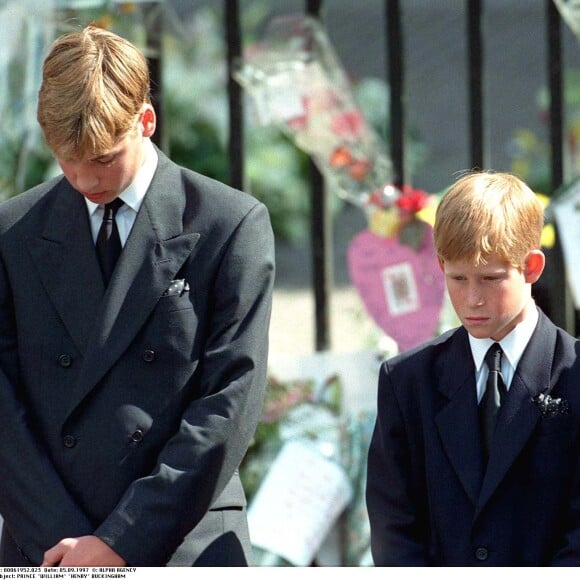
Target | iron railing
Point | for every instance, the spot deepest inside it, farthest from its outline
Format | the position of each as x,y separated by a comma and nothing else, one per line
561,309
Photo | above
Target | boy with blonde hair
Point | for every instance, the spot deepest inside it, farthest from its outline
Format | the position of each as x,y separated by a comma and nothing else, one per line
135,298
475,457
95,85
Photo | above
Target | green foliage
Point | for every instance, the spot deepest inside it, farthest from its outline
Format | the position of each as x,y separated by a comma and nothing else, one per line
277,173
20,168
530,150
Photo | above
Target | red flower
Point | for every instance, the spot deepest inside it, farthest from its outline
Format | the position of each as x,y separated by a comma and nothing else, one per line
412,200
341,157
358,169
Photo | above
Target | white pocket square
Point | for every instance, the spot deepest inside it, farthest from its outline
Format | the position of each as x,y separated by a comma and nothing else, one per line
177,288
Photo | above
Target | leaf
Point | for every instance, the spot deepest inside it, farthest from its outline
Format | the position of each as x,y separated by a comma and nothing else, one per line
412,234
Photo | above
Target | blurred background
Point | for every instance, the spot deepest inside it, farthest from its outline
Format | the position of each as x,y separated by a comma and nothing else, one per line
189,44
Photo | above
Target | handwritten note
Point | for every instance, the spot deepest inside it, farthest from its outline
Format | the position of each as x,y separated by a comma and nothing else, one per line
298,503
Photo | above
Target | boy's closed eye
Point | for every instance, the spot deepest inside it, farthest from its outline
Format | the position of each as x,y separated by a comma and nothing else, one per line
106,160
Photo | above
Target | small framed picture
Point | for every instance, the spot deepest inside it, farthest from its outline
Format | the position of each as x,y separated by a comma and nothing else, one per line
400,289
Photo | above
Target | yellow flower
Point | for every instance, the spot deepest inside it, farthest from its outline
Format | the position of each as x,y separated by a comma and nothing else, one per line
384,222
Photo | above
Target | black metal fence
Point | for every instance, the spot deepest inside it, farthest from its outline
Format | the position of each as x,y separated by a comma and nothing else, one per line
561,309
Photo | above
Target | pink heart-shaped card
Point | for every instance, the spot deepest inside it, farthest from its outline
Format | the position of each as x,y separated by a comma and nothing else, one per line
401,288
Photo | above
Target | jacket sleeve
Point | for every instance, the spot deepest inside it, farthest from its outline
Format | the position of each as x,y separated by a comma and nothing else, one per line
197,462
397,526
569,554
37,509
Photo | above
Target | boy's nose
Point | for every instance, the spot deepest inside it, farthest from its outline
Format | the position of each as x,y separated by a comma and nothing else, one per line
475,297
85,181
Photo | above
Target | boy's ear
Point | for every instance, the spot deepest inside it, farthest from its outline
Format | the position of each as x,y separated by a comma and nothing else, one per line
440,261
148,120
534,266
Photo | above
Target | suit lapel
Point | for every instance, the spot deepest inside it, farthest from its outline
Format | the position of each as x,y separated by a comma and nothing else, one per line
458,415
519,414
155,251
65,258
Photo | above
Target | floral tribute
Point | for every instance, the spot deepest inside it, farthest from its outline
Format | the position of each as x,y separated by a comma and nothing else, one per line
308,410
401,218
291,409
393,265
297,83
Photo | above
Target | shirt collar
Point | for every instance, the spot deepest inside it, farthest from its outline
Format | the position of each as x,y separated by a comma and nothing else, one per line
134,194
513,344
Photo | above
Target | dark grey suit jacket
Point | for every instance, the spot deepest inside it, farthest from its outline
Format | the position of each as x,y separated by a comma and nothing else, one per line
125,413
431,501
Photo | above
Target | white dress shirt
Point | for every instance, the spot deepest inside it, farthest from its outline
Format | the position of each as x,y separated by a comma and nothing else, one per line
513,346
132,196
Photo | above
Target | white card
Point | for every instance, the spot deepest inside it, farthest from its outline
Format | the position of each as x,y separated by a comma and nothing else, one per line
297,504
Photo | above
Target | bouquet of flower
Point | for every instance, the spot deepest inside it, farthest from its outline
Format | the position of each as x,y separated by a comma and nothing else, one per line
297,83
291,409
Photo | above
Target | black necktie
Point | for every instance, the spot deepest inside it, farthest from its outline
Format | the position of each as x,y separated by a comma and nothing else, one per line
108,240
492,397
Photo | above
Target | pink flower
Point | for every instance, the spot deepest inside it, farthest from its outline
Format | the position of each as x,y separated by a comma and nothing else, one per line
349,125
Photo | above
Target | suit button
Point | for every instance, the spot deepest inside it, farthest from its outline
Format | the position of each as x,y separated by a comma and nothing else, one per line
481,554
69,441
149,356
137,437
65,360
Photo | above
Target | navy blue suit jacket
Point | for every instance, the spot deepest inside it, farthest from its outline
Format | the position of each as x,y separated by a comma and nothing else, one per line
126,411
431,499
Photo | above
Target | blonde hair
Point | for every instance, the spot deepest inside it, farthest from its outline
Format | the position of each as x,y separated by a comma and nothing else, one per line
488,214
94,84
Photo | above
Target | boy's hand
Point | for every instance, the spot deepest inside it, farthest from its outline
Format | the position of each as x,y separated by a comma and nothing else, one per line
83,551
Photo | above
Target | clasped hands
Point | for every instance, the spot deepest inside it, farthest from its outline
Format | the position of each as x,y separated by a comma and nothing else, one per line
83,551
